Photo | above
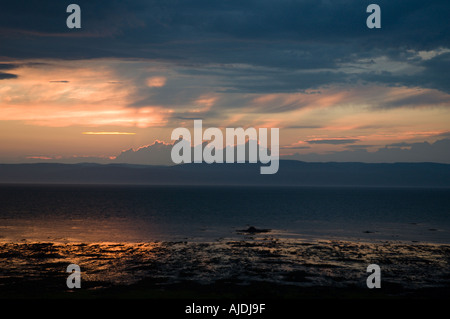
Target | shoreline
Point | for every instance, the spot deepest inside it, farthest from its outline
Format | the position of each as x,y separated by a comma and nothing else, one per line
260,268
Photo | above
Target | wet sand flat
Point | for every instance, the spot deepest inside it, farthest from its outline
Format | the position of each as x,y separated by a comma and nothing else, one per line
260,268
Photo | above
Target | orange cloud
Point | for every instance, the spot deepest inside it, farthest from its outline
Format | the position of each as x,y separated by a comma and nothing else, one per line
376,97
65,93
39,157
87,115
156,81
108,133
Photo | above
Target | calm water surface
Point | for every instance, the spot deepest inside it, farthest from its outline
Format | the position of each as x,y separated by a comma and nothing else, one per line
150,213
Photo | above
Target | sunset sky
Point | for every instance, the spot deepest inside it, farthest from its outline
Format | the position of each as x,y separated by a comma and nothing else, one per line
138,69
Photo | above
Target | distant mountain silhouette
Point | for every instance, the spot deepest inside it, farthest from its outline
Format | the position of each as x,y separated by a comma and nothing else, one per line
159,153
293,173
437,152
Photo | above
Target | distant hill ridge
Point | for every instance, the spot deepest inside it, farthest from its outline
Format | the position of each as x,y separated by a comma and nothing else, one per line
291,173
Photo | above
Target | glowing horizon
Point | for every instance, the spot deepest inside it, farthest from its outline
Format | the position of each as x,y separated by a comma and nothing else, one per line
108,133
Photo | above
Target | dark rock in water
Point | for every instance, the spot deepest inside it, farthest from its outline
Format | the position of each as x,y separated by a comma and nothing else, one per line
253,230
